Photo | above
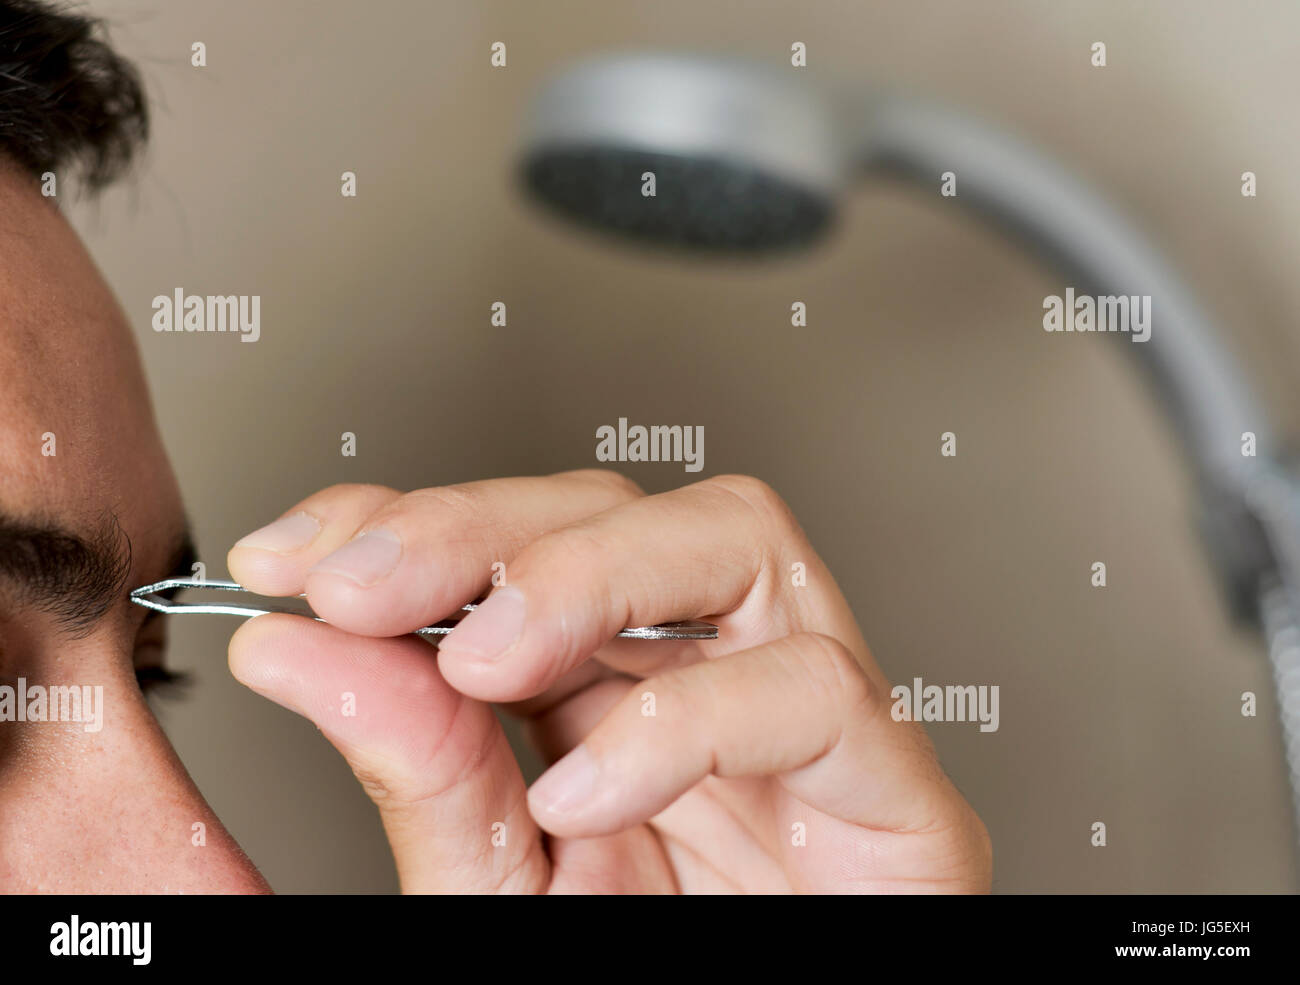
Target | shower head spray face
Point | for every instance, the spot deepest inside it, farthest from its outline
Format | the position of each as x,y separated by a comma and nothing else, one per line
687,151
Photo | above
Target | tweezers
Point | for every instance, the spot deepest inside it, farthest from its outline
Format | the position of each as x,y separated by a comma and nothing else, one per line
150,596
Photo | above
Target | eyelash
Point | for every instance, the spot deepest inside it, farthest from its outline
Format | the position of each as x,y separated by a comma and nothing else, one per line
161,681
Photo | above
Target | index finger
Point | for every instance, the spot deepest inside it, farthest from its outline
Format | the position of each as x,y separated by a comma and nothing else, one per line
379,563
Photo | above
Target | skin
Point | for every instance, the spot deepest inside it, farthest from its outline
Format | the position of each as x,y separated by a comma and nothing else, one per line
771,762
87,812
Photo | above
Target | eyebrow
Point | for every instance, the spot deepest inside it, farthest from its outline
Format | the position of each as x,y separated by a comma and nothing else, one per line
74,577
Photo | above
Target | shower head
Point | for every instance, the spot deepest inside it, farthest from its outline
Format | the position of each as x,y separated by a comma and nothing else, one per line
743,156
753,156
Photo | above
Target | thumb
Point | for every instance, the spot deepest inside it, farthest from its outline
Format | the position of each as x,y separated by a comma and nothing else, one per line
436,763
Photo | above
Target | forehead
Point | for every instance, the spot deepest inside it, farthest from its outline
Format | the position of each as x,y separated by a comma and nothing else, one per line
77,435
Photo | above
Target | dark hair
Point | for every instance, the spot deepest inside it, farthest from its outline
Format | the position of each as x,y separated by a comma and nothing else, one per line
67,99
74,577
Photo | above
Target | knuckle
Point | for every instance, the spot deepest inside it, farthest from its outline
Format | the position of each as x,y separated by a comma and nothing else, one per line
376,784
762,501
622,487
408,775
392,779
438,515
357,490
836,671
578,548
962,848
579,558
455,501
393,788
674,697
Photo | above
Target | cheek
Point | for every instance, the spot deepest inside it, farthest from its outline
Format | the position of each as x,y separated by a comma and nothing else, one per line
60,704
108,810
70,778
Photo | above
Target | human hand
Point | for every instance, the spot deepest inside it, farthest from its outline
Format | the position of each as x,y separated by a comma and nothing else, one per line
763,761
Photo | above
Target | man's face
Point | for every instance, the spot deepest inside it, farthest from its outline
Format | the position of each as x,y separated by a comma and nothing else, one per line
89,508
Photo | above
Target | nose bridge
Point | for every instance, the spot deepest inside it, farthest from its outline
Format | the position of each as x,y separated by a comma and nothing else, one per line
109,810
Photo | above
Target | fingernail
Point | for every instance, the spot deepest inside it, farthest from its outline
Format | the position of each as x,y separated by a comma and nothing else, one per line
365,559
568,785
284,536
491,629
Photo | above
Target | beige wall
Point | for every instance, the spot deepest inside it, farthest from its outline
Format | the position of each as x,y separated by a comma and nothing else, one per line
1118,705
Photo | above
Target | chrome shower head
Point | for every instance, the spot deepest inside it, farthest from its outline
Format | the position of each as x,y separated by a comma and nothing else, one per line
743,156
